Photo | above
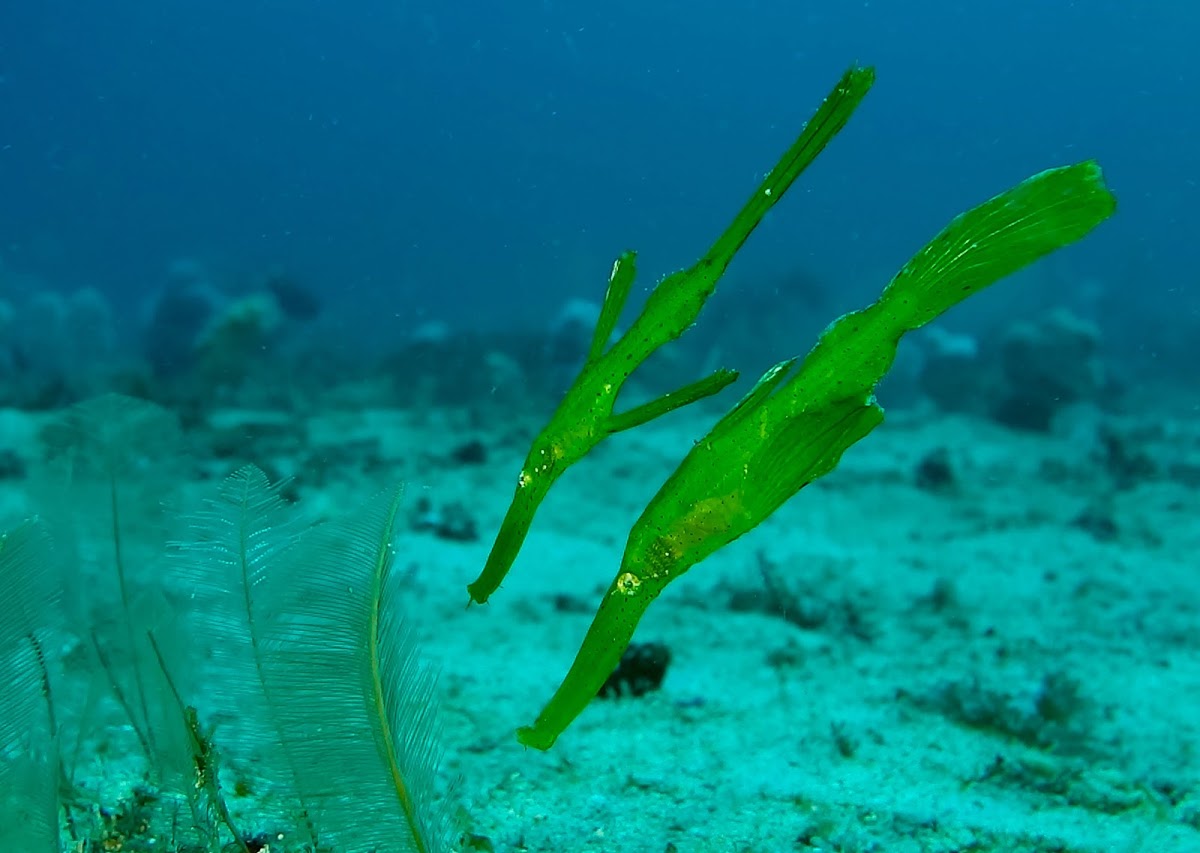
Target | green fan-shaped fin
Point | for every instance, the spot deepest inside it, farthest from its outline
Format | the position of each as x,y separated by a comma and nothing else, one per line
30,583
803,449
112,433
750,403
116,457
231,547
28,761
356,706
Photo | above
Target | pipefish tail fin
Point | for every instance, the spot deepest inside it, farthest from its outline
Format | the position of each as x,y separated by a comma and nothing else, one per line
354,703
28,757
1041,214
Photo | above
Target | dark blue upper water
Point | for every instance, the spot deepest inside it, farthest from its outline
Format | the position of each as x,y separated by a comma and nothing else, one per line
481,163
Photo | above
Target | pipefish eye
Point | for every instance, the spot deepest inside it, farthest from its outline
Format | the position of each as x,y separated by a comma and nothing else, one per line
628,583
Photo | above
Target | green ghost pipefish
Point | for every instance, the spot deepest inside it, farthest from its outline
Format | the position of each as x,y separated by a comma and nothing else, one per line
585,416
785,434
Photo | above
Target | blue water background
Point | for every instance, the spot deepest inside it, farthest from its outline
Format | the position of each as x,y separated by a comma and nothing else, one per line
481,163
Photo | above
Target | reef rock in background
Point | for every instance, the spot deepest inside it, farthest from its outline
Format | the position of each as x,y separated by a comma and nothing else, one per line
1048,364
566,343
236,337
203,337
297,301
950,374
184,309
1035,370
55,348
439,365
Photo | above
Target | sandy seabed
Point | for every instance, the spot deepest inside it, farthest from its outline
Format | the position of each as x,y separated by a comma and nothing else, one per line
964,639
1006,660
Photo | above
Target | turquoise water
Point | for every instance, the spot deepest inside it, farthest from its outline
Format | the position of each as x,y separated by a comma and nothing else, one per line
288,292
